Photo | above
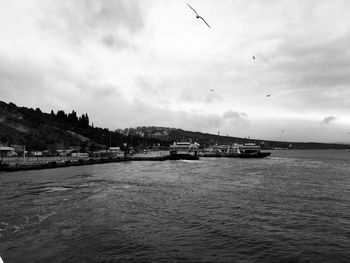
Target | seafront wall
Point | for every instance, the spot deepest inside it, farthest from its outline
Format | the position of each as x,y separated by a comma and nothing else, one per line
35,163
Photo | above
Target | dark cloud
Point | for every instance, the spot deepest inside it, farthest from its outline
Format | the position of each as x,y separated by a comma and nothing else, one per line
310,73
314,64
328,119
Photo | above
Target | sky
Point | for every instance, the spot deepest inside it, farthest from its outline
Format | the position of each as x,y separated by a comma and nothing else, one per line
153,63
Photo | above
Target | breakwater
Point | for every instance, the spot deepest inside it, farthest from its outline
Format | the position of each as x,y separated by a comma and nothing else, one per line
12,167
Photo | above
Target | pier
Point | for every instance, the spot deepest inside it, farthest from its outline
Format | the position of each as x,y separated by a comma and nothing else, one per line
14,164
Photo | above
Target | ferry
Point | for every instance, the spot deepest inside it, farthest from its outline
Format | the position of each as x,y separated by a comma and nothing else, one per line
250,150
217,151
247,150
184,151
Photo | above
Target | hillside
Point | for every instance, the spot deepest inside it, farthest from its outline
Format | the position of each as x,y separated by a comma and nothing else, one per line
51,131
206,139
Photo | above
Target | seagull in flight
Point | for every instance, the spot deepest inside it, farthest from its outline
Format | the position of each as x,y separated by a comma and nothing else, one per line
198,16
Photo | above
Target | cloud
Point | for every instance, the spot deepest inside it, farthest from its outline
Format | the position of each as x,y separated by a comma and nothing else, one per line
49,86
235,118
234,115
113,42
112,22
195,95
314,64
19,75
128,62
21,81
328,119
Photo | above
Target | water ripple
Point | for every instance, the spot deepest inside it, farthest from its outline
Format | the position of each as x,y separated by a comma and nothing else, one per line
291,207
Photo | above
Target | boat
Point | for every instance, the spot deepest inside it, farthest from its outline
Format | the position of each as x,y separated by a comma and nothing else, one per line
184,151
217,151
247,150
250,150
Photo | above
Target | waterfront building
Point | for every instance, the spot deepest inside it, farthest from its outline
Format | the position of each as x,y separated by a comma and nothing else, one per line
6,151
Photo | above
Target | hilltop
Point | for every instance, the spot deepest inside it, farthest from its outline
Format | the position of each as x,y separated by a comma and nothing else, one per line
206,139
51,131
38,130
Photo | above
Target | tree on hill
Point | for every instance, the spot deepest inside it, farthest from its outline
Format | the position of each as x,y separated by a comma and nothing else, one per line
83,121
72,118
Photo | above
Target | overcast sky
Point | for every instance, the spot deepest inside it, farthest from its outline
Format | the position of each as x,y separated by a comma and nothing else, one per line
151,62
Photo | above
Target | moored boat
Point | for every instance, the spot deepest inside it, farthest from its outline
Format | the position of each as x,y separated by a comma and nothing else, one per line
251,150
184,151
247,150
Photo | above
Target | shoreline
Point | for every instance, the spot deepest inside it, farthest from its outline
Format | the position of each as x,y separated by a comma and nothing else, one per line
6,167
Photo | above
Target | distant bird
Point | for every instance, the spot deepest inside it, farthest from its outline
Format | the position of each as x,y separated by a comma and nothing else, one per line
198,16
253,57
282,130
211,90
268,95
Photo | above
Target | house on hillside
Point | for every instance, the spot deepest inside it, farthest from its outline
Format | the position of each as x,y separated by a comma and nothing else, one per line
64,153
116,151
80,155
6,151
36,153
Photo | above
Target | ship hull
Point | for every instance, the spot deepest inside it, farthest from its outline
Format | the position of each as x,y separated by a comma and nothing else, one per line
255,155
183,156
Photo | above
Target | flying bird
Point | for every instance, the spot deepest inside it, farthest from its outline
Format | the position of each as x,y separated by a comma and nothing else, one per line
211,90
254,57
198,16
268,94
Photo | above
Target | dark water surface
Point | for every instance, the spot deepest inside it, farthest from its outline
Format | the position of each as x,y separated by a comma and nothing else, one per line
291,207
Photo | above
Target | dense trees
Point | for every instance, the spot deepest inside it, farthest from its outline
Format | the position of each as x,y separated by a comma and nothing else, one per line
71,118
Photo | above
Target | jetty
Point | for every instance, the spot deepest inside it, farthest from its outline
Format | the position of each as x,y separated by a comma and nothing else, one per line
50,164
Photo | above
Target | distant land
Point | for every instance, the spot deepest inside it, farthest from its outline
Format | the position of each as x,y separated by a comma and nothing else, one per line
38,131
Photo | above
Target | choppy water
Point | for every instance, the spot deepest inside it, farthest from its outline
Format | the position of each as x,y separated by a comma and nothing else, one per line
291,207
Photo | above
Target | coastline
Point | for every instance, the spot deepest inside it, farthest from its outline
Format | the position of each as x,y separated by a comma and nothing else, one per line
39,164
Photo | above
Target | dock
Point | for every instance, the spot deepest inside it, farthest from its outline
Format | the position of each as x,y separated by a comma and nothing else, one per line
36,165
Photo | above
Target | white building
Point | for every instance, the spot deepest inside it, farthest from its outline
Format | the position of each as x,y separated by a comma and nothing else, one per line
80,155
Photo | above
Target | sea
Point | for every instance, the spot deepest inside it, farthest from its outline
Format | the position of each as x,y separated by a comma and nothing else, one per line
293,206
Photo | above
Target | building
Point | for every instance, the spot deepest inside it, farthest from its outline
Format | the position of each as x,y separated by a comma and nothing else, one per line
6,151
116,151
80,155
36,153
64,153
